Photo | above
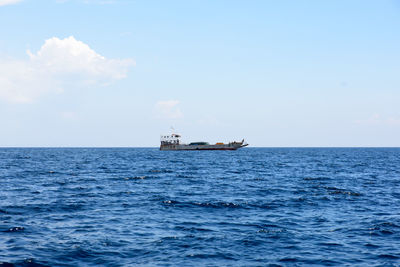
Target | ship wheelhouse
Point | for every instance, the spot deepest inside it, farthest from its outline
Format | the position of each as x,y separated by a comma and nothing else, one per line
172,139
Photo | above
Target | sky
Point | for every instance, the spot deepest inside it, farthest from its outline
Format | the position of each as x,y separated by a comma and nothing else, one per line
104,73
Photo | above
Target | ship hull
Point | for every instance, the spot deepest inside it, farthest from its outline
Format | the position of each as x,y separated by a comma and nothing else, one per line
203,147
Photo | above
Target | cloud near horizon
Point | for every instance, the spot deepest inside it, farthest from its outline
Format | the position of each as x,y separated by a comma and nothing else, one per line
8,2
168,109
100,2
59,62
377,119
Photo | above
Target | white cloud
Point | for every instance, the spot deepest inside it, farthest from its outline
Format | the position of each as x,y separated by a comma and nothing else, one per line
69,115
100,2
377,119
8,2
75,57
168,109
58,63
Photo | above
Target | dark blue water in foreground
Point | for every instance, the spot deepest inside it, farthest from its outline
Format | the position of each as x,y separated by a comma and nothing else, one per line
251,207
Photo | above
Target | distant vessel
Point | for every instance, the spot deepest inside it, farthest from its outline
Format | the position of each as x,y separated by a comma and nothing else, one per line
173,142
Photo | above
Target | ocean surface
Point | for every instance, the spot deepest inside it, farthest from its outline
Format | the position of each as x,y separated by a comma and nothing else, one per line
250,207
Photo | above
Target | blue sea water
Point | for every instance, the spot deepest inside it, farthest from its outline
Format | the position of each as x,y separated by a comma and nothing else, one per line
251,207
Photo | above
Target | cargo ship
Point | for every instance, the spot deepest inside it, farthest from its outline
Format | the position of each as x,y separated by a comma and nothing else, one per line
173,142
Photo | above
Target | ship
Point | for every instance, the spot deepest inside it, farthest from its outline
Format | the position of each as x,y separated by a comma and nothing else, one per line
173,142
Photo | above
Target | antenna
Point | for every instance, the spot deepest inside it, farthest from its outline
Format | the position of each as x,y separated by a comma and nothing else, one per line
172,129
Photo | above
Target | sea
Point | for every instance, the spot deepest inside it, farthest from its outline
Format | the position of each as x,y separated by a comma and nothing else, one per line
250,207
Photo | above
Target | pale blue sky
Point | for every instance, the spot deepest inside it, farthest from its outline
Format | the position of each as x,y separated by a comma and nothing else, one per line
277,73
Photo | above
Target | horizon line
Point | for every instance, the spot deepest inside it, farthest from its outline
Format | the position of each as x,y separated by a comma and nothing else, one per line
1,147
